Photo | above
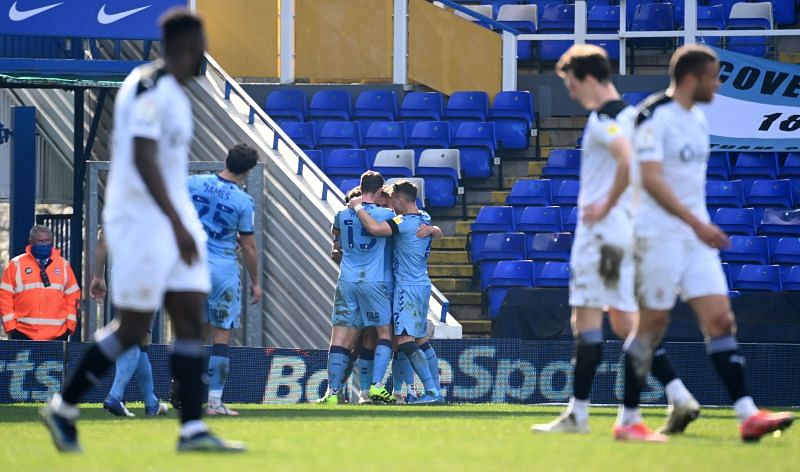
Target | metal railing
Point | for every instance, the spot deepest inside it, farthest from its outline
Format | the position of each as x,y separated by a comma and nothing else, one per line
255,112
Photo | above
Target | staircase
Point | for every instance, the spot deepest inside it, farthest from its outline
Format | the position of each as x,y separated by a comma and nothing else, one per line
449,265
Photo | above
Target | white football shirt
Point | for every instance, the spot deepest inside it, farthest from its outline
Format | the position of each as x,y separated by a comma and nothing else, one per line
150,104
598,166
678,138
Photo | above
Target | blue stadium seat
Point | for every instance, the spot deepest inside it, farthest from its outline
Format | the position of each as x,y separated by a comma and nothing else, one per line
567,193
421,106
770,193
343,164
758,277
719,166
791,282
303,134
785,12
490,219
724,193
736,220
384,135
775,221
528,192
563,163
570,218
394,163
441,170
791,166
653,17
726,269
315,156
604,19
286,105
787,251
476,141
330,105
465,107
710,17
549,247
634,98
429,135
523,18
556,19
535,219
746,249
338,134
499,247
348,184
375,106
761,164
551,274
513,117
508,274
742,17
632,5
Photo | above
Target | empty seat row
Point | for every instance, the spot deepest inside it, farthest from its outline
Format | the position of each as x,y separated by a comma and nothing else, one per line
495,247
752,221
759,250
783,193
753,165
512,112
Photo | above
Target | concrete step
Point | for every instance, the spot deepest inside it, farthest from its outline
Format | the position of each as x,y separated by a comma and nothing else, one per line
478,197
456,212
562,122
499,197
452,285
449,257
476,328
463,228
450,242
515,168
463,298
467,312
491,184
535,168
563,138
450,270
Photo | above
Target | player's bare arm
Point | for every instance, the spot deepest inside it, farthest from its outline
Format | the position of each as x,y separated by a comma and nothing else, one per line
653,182
144,155
621,150
434,232
373,227
250,255
97,289
336,247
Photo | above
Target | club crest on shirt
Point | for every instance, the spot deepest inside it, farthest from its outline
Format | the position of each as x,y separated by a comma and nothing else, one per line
28,270
613,129
58,272
398,219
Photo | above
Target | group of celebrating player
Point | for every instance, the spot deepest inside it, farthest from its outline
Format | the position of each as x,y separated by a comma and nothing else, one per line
638,246
381,303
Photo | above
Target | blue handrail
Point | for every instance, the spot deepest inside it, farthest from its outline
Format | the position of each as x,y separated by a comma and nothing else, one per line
485,19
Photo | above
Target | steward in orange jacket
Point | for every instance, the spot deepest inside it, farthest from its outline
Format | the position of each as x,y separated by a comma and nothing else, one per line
39,293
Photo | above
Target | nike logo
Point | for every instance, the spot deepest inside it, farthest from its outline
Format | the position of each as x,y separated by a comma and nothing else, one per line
15,15
105,19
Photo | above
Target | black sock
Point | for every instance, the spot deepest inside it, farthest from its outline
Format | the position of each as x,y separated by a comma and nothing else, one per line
187,365
633,389
662,369
730,367
587,358
91,369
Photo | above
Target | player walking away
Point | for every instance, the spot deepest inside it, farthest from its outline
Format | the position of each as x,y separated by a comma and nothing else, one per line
133,361
226,212
412,284
601,262
360,300
677,246
155,239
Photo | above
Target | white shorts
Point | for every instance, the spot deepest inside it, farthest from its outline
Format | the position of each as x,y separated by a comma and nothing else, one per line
601,264
146,264
668,267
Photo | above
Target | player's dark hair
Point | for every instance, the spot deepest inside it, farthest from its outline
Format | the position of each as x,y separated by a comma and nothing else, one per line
371,181
585,60
353,193
690,60
241,158
405,189
177,22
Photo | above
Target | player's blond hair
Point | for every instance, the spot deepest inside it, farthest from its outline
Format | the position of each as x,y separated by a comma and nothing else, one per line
583,60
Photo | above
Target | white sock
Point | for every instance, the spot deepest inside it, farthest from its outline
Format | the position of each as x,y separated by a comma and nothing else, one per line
745,407
628,416
214,397
677,392
63,408
190,428
579,408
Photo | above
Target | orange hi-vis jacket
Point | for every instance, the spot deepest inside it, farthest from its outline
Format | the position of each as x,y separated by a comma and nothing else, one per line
39,312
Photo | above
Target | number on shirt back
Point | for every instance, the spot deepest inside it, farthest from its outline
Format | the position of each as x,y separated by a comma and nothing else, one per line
205,208
351,239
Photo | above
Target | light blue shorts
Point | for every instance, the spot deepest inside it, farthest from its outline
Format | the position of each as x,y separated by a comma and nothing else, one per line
361,305
411,310
225,299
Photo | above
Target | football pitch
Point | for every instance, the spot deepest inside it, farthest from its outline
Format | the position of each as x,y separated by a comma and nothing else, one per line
449,438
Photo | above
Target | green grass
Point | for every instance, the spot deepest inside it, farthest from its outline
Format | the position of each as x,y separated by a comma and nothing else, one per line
452,438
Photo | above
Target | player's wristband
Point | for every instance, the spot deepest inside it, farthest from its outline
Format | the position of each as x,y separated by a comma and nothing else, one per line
358,207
